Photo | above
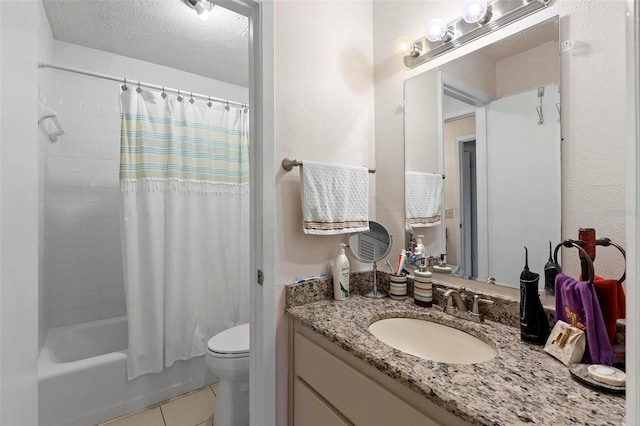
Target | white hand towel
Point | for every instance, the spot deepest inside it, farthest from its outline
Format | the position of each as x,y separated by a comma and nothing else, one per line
335,198
423,197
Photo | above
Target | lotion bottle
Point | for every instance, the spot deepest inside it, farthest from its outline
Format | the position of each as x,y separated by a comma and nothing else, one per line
341,275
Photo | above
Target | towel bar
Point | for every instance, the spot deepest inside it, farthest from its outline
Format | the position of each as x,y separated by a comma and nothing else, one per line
289,164
604,242
577,244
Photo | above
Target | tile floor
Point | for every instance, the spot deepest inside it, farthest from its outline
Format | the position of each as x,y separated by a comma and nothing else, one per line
191,409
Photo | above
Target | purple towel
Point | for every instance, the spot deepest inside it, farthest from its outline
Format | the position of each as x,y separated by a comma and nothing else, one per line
576,302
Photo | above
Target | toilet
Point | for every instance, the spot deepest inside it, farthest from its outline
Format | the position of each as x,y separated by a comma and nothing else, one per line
228,358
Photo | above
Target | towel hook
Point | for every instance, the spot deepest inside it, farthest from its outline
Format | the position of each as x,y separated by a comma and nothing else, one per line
577,244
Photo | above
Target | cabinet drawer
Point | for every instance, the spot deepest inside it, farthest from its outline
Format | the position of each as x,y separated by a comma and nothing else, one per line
311,410
356,396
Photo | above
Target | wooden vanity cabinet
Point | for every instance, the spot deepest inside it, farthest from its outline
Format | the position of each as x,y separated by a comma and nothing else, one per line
329,386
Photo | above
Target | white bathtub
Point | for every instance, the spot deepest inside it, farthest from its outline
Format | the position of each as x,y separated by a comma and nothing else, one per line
82,375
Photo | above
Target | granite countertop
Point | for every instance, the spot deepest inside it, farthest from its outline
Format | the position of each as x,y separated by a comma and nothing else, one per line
521,385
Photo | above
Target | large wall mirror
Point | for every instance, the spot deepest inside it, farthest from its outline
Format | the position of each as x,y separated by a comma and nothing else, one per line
490,123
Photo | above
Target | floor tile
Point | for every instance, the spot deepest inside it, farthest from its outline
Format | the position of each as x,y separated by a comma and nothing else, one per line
149,417
192,409
214,388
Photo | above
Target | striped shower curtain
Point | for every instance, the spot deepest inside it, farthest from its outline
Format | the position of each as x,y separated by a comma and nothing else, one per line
184,175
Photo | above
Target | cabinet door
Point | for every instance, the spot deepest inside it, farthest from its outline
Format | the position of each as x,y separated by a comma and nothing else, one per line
310,410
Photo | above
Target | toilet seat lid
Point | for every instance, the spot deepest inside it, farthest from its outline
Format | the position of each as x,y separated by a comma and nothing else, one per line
234,340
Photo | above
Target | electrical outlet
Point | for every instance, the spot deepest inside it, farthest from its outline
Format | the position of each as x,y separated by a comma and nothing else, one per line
448,213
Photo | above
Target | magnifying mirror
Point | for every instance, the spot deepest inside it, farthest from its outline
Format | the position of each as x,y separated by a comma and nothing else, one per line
370,247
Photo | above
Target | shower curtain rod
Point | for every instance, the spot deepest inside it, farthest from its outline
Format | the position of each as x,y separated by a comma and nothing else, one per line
136,83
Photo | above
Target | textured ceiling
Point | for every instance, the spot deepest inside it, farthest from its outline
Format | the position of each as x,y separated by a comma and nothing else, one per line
165,32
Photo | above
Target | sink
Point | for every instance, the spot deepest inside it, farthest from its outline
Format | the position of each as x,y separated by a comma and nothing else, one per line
432,341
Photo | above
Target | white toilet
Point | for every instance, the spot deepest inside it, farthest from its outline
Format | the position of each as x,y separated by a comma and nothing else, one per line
228,358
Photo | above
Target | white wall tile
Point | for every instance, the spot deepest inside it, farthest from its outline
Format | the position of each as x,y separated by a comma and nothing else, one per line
91,121
71,103
91,151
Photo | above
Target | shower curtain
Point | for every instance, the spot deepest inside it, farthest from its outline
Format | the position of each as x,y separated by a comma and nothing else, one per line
184,175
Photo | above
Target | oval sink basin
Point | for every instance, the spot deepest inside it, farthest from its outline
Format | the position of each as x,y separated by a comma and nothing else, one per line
432,341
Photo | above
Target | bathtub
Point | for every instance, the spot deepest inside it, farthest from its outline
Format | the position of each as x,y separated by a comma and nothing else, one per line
82,375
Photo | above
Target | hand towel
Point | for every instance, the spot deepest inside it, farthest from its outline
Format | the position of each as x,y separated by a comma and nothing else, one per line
335,198
577,304
610,293
423,197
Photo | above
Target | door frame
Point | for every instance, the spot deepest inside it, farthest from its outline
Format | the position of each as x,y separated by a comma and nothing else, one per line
262,377
461,243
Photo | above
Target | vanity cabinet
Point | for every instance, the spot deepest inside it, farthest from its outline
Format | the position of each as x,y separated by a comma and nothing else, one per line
329,386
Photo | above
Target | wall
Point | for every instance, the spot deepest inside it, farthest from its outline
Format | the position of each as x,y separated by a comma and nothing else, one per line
82,258
534,67
45,53
324,112
18,213
593,166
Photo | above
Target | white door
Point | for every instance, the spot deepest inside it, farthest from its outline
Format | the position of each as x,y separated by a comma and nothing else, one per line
523,157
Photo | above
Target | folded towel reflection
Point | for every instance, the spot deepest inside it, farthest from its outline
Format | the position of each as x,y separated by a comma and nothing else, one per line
335,198
577,304
423,198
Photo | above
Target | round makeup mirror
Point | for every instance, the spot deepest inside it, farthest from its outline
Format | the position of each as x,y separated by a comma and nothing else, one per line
370,247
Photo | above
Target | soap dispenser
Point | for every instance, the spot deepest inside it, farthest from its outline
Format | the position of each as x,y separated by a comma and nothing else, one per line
341,275
420,251
534,326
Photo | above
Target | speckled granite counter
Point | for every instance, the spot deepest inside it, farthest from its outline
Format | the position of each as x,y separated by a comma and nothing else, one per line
521,385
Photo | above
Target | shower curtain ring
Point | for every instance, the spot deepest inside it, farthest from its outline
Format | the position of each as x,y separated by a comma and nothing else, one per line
124,85
227,106
138,89
209,103
164,95
179,98
191,101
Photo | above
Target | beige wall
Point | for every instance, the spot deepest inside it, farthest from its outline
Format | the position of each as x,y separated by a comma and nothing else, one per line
324,112
592,93
534,67
451,131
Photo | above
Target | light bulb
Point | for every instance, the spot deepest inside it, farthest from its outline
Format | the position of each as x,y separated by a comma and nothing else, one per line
475,11
437,30
406,47
203,8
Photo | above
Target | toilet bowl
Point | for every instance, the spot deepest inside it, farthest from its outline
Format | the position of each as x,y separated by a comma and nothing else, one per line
228,358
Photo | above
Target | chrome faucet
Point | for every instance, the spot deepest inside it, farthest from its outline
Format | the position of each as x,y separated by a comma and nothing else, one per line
451,296
460,309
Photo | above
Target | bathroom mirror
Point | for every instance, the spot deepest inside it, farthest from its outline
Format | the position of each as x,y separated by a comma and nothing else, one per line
490,123
370,247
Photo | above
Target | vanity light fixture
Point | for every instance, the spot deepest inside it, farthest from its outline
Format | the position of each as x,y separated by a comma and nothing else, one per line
479,17
438,30
202,7
476,11
405,47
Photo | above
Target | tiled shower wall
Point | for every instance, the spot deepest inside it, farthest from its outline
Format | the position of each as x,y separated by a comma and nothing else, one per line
81,251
